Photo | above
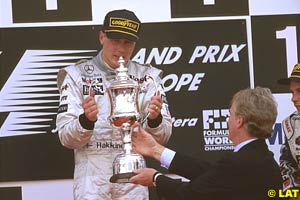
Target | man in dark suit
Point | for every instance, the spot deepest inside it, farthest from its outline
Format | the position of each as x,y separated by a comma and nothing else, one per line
248,173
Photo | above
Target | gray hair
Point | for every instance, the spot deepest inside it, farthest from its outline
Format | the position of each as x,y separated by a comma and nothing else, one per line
259,110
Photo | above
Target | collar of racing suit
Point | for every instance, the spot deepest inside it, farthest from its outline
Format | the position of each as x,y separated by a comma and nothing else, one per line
104,67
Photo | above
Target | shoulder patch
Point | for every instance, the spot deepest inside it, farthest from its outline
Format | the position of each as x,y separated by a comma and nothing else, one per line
60,78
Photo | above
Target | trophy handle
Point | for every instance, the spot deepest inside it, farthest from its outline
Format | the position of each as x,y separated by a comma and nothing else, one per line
155,84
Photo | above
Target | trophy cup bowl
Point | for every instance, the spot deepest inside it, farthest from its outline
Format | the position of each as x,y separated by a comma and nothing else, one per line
123,96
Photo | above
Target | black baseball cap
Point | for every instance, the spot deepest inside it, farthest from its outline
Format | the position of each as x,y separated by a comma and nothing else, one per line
122,24
295,76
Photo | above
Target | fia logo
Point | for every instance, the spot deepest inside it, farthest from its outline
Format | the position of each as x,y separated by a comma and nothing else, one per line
215,119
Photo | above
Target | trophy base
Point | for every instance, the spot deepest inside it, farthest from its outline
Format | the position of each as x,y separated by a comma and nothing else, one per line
121,178
124,165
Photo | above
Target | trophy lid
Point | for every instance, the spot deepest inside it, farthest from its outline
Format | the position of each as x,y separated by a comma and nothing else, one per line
122,79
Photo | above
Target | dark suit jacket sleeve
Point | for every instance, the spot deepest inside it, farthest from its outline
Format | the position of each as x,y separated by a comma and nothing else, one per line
202,182
246,174
167,188
188,167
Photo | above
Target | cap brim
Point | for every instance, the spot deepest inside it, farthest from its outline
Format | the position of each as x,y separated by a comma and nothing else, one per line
287,81
114,35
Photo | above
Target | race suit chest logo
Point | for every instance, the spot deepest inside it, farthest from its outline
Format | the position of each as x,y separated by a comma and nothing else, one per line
94,84
144,82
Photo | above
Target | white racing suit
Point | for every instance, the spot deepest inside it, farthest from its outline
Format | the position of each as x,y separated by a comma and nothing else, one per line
290,152
96,145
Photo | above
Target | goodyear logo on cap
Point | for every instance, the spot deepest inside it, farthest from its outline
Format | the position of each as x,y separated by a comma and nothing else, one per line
124,23
296,71
296,68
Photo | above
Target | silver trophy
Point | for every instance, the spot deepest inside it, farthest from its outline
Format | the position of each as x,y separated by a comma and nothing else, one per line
123,95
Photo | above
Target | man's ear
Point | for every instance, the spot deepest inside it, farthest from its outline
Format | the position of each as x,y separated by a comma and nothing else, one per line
101,37
240,121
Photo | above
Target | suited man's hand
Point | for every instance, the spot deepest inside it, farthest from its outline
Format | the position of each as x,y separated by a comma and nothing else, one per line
144,144
143,176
